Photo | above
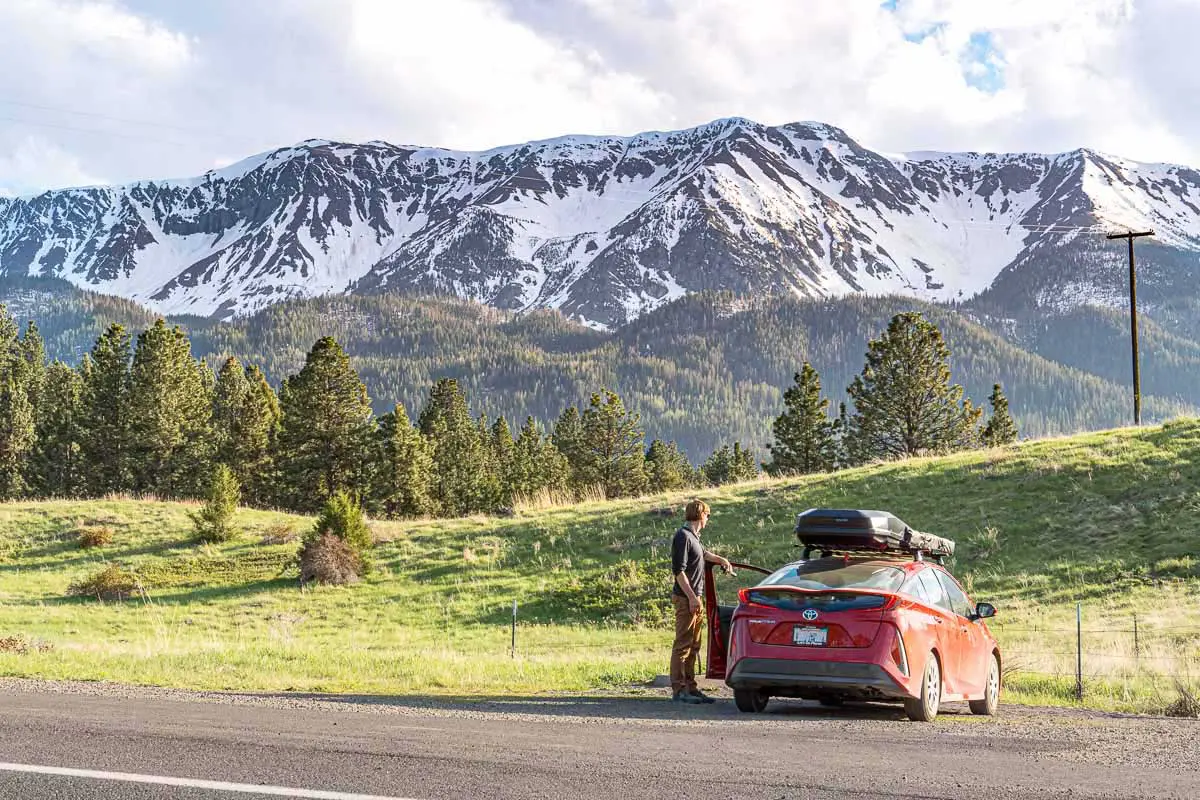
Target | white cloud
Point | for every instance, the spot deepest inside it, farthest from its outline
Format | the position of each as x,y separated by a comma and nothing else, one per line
232,78
35,163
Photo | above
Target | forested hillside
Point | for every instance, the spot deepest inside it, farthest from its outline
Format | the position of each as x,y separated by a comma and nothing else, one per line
703,371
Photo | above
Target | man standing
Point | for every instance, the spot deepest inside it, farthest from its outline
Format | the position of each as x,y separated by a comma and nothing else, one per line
687,568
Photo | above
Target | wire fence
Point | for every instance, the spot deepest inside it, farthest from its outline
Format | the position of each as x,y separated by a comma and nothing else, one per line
1123,653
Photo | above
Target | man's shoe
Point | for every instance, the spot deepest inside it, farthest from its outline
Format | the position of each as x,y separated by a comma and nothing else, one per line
701,697
685,697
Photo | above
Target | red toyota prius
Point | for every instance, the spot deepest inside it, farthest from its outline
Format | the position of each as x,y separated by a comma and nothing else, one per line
874,616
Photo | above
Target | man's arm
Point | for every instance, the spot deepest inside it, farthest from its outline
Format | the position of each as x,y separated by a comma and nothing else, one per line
678,562
686,586
713,558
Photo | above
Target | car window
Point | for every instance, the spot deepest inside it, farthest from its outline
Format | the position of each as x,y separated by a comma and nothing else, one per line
915,588
934,589
958,598
836,573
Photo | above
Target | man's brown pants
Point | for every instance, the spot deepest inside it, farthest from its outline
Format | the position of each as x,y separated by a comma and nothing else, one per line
687,645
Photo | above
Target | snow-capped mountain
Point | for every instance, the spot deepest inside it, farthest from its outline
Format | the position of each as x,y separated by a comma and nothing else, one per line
606,228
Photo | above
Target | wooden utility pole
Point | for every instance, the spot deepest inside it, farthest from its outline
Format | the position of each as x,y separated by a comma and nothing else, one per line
1137,380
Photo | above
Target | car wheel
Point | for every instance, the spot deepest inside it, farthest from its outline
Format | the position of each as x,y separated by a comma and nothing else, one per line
925,707
753,701
991,695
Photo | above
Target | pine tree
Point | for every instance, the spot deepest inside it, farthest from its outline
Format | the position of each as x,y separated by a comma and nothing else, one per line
170,408
1000,428
804,435
612,447
568,437
33,353
405,484
718,467
741,464
104,417
16,437
489,489
503,446
904,404
230,396
667,468
459,457
56,467
325,428
257,439
536,465
214,521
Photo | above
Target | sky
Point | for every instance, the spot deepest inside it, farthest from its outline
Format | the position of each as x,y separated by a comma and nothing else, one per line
113,91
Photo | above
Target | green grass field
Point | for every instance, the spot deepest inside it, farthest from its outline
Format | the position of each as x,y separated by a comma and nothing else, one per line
1106,519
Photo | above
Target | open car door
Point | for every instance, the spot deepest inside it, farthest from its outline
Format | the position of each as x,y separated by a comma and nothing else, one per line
719,616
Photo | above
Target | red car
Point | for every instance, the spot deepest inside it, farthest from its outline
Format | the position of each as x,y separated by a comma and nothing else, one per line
855,626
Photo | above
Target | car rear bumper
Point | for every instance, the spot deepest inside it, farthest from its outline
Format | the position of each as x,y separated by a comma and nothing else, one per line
814,677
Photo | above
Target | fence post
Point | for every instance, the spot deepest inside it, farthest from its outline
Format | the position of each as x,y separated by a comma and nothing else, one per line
514,630
1079,651
1137,645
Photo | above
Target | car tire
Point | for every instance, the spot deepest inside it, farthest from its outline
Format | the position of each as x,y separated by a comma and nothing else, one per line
925,708
988,706
753,701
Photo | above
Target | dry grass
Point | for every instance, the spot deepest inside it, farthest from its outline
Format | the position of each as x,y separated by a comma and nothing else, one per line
1187,705
20,645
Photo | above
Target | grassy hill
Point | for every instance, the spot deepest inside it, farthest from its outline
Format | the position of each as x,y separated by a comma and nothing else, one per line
1106,519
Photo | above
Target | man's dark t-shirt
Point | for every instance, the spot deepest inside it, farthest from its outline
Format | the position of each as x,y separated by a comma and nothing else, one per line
687,556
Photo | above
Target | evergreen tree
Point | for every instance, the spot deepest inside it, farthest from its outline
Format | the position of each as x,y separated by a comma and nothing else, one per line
104,417
841,441
536,465
214,521
612,447
503,451
568,439
1000,428
33,354
256,440
904,404
667,468
490,487
459,458
56,467
342,516
170,408
405,482
730,465
804,435
325,428
230,396
16,437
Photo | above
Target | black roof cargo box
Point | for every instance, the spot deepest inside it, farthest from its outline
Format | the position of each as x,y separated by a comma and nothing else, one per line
846,530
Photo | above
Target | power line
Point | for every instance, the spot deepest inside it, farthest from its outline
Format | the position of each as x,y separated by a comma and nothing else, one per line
111,118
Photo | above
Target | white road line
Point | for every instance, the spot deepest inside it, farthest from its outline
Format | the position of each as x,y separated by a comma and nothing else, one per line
191,783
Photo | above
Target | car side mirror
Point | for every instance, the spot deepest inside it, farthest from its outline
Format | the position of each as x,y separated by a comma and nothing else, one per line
984,611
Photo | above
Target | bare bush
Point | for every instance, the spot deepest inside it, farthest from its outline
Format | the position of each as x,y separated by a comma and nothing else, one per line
19,644
1187,705
110,583
95,536
280,533
329,559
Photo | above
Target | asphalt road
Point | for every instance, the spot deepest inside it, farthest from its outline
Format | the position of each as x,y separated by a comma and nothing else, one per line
622,747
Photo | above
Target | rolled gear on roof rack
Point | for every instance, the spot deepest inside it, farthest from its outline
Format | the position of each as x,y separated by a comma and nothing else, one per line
838,530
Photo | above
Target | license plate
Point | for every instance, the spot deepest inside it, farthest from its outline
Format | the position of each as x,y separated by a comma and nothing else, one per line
810,636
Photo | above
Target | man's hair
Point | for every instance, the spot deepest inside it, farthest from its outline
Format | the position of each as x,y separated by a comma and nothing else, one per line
695,510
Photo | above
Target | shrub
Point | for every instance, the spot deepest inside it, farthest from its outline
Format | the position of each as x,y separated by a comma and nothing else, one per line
329,559
99,536
214,521
110,583
280,533
342,516
1187,705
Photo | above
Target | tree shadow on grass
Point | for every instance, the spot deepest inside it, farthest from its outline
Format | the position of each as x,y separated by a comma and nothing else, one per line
184,595
80,555
648,707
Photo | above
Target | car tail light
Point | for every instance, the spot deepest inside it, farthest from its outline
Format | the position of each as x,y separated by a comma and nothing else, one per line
899,654
759,629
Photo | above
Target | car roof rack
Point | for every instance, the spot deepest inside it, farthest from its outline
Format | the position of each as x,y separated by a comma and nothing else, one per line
832,531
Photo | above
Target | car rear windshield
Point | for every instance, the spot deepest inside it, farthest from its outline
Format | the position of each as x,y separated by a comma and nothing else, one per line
836,573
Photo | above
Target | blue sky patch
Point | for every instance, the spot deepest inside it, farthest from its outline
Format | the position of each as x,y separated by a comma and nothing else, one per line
982,64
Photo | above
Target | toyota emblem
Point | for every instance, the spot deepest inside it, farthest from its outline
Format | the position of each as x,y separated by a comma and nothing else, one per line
810,614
